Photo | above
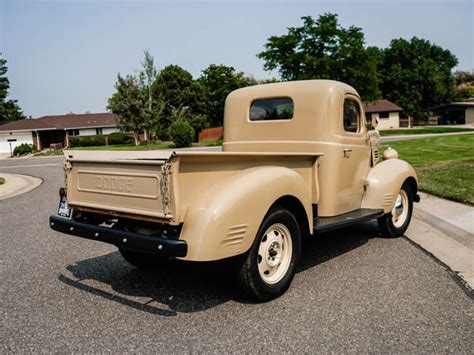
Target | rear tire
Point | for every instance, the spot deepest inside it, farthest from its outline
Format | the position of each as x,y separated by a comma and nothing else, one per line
143,261
268,268
395,223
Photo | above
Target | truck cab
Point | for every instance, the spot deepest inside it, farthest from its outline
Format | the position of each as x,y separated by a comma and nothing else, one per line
297,160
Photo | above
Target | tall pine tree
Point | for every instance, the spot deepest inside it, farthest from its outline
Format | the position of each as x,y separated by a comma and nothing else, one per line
9,109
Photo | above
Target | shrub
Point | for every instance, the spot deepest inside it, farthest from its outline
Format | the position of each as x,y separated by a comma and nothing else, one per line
119,138
74,142
181,133
22,149
99,140
87,141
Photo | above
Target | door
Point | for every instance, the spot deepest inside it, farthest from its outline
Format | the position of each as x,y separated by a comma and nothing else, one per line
354,156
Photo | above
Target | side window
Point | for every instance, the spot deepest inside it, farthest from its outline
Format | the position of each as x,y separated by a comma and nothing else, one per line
271,109
351,116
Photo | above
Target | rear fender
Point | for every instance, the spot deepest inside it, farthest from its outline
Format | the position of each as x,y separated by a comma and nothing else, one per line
384,183
225,220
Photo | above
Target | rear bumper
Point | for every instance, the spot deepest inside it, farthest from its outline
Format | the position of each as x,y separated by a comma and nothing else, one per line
122,239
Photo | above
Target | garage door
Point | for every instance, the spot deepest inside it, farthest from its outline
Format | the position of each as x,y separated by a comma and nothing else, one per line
15,139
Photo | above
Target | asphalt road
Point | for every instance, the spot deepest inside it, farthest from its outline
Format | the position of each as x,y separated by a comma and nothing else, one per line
355,292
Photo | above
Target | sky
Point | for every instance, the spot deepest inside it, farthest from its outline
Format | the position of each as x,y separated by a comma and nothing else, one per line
65,55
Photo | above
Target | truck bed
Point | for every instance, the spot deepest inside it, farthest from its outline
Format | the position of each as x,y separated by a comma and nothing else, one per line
161,185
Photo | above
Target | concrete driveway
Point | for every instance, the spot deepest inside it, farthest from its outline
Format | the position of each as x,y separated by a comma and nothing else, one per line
354,292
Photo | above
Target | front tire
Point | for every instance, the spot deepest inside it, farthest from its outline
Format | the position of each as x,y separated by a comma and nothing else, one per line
268,268
143,261
395,223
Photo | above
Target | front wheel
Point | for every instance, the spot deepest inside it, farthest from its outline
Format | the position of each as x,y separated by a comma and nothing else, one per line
395,223
269,267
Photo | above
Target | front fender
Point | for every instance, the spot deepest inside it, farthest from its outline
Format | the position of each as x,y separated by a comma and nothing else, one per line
384,183
225,219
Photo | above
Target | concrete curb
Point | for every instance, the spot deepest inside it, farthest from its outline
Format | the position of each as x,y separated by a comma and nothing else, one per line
17,184
450,244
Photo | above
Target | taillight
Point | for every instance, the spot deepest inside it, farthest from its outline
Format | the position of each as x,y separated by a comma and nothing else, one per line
62,192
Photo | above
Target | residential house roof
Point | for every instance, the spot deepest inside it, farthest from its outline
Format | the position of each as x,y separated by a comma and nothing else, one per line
452,105
69,121
383,105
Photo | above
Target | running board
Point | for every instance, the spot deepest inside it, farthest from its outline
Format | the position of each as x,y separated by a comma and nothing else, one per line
324,224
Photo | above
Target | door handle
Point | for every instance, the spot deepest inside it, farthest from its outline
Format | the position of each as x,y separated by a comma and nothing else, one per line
347,152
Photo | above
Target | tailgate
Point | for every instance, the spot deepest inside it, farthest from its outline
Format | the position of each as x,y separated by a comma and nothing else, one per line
128,187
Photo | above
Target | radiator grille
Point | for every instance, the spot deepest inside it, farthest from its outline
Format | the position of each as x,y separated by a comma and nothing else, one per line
375,155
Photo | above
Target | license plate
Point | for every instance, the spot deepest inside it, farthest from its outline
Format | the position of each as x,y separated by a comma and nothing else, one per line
63,209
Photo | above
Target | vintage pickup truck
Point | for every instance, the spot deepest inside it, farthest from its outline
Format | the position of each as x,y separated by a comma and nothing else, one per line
297,160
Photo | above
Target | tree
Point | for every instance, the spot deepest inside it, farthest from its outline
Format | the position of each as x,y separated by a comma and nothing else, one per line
322,49
147,77
417,75
176,87
219,81
129,103
9,109
465,84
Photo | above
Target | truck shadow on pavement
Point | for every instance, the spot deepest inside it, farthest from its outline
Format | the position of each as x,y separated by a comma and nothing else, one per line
183,287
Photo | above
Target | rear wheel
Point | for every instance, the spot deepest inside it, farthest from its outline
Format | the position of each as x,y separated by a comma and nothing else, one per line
395,223
143,261
269,267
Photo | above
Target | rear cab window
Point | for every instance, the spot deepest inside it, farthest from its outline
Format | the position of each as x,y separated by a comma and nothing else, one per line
271,109
351,116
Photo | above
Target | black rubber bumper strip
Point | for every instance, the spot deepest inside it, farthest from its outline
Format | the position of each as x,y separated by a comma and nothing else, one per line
122,239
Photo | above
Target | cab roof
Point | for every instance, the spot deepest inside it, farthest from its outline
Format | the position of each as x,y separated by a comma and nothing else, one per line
292,88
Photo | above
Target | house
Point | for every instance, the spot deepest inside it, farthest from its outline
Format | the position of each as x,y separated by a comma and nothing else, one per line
383,113
48,130
453,113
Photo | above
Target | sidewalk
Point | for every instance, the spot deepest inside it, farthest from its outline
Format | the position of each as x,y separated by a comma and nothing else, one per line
407,137
445,229
16,184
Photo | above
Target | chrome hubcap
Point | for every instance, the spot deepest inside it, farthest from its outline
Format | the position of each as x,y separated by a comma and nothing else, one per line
274,253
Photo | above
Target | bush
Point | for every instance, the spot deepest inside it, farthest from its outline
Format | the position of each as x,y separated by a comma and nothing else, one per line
74,142
119,138
23,149
87,141
99,140
181,133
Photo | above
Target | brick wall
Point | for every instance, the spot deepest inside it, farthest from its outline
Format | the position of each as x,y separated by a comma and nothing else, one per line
209,134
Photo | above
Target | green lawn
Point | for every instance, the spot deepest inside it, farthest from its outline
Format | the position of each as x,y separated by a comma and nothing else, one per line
2,180
445,165
396,132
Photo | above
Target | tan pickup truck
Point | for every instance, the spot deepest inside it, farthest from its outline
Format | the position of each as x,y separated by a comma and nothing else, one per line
297,161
